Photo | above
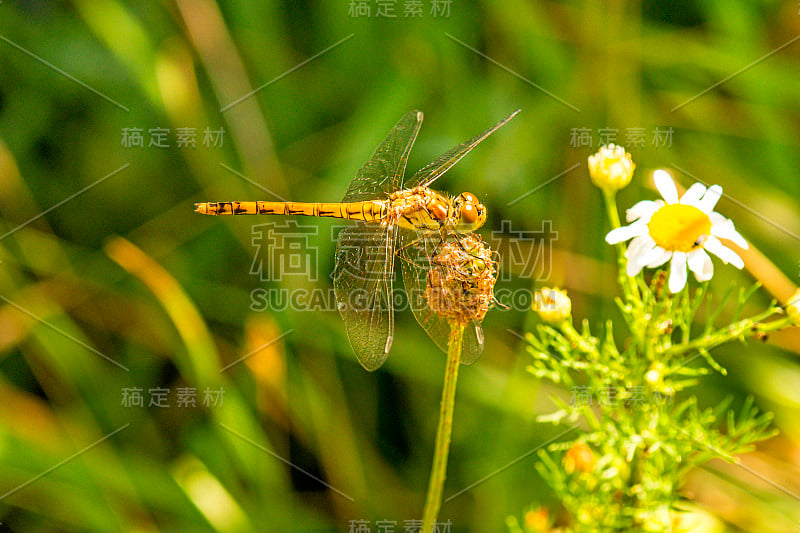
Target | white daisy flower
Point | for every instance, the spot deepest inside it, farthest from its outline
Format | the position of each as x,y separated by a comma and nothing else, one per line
681,230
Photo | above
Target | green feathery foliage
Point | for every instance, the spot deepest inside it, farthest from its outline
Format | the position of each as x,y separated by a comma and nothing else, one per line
641,429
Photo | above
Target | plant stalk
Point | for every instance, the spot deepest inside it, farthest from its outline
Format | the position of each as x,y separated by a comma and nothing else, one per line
739,330
628,285
433,500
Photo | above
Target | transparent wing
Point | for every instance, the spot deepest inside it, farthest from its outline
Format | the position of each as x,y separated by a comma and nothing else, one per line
365,252
384,171
434,170
362,281
416,249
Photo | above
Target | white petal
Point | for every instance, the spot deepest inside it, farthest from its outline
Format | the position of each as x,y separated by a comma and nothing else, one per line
646,257
693,194
643,210
724,229
677,272
710,199
727,255
666,186
658,257
638,247
700,263
625,232
634,267
716,218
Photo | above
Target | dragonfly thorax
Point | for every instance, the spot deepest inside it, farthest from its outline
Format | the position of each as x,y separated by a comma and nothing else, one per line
422,208
418,209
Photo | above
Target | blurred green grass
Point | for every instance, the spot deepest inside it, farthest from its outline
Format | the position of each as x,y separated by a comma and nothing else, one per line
305,398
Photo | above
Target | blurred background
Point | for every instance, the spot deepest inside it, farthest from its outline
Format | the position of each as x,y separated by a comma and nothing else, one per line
143,384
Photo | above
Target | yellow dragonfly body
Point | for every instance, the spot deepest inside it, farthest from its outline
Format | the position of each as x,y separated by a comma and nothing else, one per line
414,209
392,216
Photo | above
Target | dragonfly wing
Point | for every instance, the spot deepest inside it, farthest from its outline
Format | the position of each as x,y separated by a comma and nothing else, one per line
416,248
472,343
363,285
384,171
434,170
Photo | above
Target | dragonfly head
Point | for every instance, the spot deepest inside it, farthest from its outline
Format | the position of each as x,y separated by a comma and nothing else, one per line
468,212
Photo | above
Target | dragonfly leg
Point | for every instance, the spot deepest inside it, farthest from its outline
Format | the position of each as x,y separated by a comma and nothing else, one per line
421,239
461,244
499,304
412,243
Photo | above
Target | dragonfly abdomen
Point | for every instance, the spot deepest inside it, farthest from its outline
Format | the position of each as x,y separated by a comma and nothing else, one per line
369,211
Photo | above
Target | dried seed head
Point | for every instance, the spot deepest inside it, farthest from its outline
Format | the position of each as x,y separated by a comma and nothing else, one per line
461,280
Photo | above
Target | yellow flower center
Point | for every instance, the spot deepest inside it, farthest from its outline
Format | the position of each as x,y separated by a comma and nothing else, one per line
609,162
679,228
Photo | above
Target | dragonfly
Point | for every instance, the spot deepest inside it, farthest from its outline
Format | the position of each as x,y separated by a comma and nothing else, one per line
392,217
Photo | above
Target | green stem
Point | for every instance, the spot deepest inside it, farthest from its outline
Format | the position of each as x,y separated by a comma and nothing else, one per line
439,468
629,288
748,327
577,339
611,208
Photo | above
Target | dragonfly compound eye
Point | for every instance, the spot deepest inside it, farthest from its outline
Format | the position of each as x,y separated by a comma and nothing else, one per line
469,213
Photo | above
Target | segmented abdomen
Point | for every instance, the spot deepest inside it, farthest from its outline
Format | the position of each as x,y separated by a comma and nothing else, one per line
369,211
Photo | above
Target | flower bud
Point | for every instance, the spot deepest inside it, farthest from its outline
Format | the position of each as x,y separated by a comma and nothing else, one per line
654,375
553,305
537,519
580,457
655,520
695,520
611,168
